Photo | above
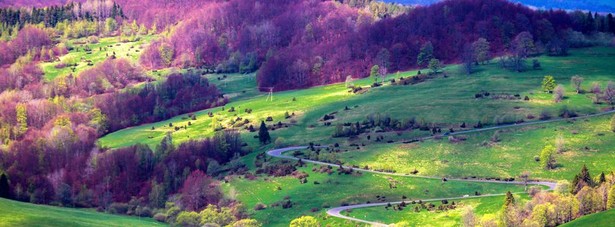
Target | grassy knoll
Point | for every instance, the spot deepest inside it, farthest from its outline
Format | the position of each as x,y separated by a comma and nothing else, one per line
442,100
15,213
483,207
109,45
606,218
335,190
588,142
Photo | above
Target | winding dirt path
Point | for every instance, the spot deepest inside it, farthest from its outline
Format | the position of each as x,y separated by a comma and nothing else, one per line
337,211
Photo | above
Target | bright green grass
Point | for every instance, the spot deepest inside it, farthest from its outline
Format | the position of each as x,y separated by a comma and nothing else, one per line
606,218
442,100
482,206
515,153
78,55
13,213
335,189
235,86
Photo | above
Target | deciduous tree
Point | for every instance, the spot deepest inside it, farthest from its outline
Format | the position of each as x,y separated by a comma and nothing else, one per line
547,159
576,82
548,84
305,221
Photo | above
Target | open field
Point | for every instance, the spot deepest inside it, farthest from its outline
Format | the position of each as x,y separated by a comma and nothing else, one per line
606,218
440,101
588,142
487,206
335,190
99,52
15,213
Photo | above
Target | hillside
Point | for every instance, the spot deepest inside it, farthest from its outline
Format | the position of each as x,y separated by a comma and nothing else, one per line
304,113
26,214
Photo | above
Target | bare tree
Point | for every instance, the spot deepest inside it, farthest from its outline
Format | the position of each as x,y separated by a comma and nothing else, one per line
560,144
525,175
559,93
609,93
597,91
576,83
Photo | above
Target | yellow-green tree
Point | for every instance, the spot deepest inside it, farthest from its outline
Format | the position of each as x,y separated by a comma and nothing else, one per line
547,160
305,221
166,53
247,223
22,118
610,204
548,84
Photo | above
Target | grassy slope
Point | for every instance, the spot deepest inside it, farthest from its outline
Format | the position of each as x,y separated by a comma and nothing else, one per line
481,206
606,218
443,100
335,189
13,213
122,50
515,153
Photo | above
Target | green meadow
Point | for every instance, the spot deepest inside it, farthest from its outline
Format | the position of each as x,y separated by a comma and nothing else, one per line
13,213
483,207
336,190
586,142
443,100
606,218
100,51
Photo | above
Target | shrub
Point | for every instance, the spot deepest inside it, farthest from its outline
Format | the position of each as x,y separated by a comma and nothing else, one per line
160,217
260,206
118,208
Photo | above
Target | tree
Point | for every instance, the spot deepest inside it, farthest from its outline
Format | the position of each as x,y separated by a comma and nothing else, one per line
522,47
383,58
65,194
547,160
610,204
609,93
382,72
263,134
548,84
247,223
374,73
597,91
305,221
110,25
166,53
509,210
560,144
525,175
188,219
213,215
157,195
481,48
468,58
5,190
22,118
435,66
558,96
576,82
509,200
199,190
425,55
